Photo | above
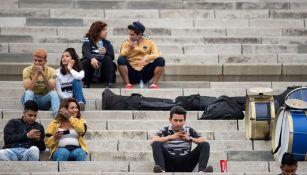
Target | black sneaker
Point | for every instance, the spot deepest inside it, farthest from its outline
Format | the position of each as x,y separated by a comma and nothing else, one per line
157,169
209,169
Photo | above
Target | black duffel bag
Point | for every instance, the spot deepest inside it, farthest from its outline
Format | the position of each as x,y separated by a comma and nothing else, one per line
194,102
138,102
111,101
223,108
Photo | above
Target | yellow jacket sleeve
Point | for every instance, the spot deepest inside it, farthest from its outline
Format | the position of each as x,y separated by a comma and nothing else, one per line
78,124
155,53
125,49
50,141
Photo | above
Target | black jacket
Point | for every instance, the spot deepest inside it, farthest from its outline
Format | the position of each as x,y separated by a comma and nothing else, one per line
15,134
90,50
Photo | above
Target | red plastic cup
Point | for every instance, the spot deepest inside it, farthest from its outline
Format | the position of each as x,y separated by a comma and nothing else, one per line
223,164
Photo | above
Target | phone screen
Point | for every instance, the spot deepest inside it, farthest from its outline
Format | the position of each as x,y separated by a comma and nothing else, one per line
66,132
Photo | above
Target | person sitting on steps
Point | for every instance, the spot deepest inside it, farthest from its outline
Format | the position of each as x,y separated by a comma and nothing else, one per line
69,76
23,137
39,83
139,58
98,56
171,146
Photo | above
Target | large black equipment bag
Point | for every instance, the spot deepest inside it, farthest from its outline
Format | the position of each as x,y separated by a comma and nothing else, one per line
111,101
194,102
223,108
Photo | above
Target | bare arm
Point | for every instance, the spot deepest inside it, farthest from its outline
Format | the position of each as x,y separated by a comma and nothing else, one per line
29,84
49,83
165,139
198,140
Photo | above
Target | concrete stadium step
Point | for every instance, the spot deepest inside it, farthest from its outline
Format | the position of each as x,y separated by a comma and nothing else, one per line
162,22
200,84
168,4
148,134
90,94
125,115
208,125
135,166
144,145
152,13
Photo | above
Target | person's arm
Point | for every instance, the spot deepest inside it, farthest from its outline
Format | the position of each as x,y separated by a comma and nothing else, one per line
159,137
195,137
77,75
125,49
59,91
50,141
87,50
162,139
78,124
49,78
41,144
110,51
155,53
11,134
29,83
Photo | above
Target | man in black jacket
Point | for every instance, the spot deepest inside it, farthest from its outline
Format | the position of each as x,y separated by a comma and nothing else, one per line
288,164
23,137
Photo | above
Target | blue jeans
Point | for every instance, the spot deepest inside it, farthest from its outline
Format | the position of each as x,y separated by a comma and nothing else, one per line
77,91
63,154
23,154
51,99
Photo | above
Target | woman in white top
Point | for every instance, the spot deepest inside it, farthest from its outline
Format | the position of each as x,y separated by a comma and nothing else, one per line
69,76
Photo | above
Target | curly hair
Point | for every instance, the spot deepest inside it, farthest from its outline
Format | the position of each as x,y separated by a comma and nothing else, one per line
95,29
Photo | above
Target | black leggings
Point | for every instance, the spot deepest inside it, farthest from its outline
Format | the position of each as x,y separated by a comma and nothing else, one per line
108,69
186,163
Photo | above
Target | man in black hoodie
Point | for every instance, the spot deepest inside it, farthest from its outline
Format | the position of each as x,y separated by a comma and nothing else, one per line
23,137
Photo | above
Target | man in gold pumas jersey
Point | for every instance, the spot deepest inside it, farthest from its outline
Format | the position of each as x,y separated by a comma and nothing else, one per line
139,59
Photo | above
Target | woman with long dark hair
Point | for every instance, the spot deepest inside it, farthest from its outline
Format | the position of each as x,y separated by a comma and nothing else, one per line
65,134
69,76
98,56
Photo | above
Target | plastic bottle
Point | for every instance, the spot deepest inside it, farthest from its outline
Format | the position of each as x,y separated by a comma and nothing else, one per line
100,44
141,84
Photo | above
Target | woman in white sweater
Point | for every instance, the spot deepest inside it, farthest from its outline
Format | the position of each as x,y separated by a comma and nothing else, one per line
69,76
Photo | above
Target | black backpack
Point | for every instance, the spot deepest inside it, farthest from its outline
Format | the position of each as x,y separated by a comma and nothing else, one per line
223,108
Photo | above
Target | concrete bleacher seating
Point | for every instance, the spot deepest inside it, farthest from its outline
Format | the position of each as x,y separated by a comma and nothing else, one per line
261,41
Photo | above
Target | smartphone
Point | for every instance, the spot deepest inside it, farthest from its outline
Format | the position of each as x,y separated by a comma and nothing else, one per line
182,131
66,132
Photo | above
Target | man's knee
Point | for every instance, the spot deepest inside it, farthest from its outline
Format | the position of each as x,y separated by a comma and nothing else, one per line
204,145
33,153
4,155
122,61
34,149
54,95
160,62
